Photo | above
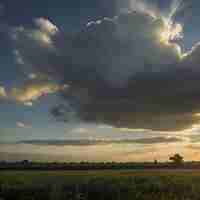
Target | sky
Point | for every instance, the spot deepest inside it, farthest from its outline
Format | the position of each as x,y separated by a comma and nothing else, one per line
99,80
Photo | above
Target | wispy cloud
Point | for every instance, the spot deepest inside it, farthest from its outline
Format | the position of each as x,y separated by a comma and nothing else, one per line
87,142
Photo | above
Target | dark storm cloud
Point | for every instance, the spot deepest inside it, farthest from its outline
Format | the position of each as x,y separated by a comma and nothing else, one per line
154,140
2,10
120,71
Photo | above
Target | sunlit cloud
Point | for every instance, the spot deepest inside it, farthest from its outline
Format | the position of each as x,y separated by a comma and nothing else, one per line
31,92
2,92
43,34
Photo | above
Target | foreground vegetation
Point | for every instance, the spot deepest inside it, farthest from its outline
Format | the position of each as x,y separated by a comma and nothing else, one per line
100,185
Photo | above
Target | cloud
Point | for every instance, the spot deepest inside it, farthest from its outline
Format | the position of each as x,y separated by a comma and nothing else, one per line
194,138
2,10
126,72
41,35
45,26
101,60
155,140
118,152
86,142
23,125
2,92
31,90
65,112
36,43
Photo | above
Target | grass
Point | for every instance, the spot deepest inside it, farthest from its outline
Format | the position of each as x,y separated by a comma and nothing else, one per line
100,185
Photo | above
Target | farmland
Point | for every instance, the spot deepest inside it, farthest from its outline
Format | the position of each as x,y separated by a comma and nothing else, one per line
100,185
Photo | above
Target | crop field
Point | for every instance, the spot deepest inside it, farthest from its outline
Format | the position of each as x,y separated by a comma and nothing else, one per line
100,185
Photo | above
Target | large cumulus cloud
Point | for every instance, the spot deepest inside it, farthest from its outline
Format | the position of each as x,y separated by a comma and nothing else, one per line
121,72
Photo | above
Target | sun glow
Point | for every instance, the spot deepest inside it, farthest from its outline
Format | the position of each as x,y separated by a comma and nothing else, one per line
171,32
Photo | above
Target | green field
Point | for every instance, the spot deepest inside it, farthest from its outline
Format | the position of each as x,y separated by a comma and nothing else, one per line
100,185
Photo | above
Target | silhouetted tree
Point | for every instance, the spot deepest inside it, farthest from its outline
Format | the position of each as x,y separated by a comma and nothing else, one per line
177,159
25,162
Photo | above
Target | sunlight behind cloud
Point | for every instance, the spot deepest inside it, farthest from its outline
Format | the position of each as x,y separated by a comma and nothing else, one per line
171,31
